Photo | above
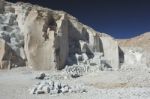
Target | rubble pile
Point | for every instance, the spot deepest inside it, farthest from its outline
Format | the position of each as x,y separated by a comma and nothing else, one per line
95,64
55,87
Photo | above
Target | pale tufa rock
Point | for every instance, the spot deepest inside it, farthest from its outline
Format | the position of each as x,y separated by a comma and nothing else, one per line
8,58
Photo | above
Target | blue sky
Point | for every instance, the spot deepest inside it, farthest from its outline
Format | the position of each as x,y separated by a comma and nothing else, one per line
119,18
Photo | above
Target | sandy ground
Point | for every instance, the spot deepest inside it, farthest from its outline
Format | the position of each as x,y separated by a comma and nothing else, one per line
14,84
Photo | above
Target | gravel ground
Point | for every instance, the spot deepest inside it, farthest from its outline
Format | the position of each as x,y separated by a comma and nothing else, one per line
14,84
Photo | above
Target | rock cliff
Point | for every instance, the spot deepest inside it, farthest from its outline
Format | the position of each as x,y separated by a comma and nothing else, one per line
46,39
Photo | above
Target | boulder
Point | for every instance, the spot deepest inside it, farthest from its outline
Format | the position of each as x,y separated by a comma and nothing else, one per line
8,58
111,52
41,76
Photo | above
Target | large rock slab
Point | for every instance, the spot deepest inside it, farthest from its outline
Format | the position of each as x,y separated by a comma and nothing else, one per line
111,52
46,39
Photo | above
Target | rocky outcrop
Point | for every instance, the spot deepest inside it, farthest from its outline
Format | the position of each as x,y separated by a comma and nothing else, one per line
49,39
46,38
10,32
134,58
1,6
12,42
136,50
111,52
8,58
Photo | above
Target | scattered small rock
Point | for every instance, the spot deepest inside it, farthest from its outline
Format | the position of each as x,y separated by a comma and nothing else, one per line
65,89
75,75
41,76
33,90
56,87
46,89
75,71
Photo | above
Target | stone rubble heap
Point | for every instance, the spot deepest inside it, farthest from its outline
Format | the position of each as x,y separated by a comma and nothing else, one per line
55,87
95,64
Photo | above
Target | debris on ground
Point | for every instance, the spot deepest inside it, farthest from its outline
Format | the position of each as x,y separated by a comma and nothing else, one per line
55,87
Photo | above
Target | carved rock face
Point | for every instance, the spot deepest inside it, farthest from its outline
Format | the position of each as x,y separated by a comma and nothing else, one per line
52,39
44,47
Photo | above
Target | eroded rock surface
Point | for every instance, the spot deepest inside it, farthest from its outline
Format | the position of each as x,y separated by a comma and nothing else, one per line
8,58
136,50
1,6
46,39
